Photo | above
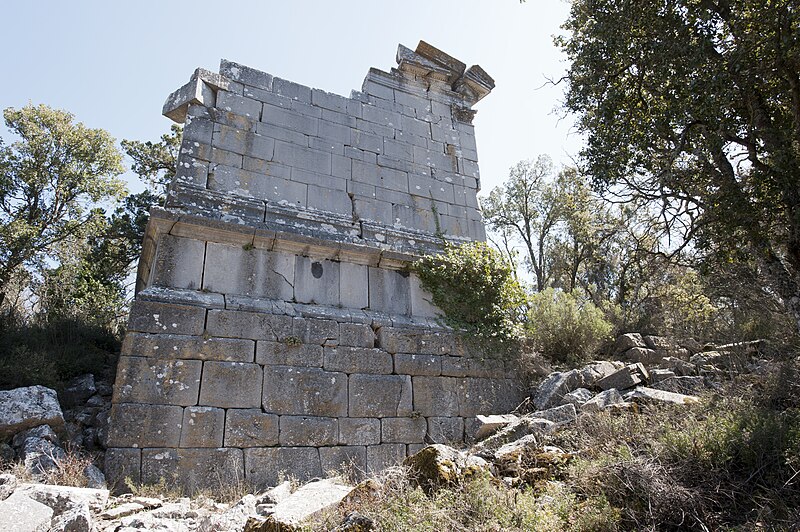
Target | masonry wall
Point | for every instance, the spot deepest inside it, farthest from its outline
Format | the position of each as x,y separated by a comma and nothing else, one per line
276,327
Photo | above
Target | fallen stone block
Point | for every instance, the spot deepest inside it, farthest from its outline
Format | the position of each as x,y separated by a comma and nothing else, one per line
488,425
596,371
524,426
77,518
25,408
554,386
684,385
60,498
20,513
302,504
577,397
643,394
603,400
625,378
680,367
123,510
560,415
659,343
628,341
643,355
658,375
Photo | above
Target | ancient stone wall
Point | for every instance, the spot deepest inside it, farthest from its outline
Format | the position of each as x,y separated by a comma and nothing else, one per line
276,326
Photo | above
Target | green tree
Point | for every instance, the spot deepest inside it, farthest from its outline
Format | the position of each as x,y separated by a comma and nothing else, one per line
155,162
49,179
695,105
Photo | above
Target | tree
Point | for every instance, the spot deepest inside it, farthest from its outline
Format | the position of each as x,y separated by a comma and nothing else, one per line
155,162
49,178
695,105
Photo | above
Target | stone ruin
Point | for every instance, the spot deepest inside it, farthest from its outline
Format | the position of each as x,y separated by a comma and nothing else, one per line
276,327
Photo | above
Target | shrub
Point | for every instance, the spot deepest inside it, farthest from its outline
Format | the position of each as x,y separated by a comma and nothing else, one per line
476,290
565,327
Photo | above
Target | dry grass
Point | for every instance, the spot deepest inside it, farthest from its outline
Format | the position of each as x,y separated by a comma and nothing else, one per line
69,471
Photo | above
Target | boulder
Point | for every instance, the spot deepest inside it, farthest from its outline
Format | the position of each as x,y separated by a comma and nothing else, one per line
60,498
43,432
488,425
684,385
591,373
642,394
603,400
659,343
554,386
577,397
302,504
40,455
678,366
658,375
627,377
8,483
77,518
435,466
355,522
25,408
559,415
643,355
78,390
524,426
20,513
691,345
628,341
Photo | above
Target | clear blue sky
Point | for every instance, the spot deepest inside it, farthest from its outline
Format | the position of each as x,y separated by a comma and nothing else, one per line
113,63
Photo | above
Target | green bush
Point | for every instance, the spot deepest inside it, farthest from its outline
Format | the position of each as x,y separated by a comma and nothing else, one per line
565,327
476,290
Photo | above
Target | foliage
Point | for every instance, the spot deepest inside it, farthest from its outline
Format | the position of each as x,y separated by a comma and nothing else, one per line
476,290
48,178
564,326
155,162
693,105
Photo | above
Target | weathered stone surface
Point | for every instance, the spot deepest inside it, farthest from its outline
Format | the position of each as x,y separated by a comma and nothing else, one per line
23,514
628,341
155,317
179,262
553,388
488,425
310,391
358,360
138,425
288,354
359,431
446,429
577,397
435,466
484,396
379,395
77,518
347,459
685,385
602,401
560,415
188,347
400,340
61,498
356,335
263,466
24,408
644,394
203,426
250,428
308,431
643,355
406,364
403,429
379,457
193,469
231,385
315,331
158,381
78,390
438,396
8,483
625,378
252,325
121,464
308,500
389,291
658,375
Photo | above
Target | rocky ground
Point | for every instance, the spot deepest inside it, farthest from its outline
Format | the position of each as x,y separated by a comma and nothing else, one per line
44,445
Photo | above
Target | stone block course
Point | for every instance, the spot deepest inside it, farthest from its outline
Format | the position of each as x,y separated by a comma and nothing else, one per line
403,429
359,431
158,381
446,429
202,427
304,391
379,457
352,459
231,385
250,428
140,425
379,395
153,317
407,364
249,272
265,465
305,430
286,354
174,346
358,360
251,325
179,262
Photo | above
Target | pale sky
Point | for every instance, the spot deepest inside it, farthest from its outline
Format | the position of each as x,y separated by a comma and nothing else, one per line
112,64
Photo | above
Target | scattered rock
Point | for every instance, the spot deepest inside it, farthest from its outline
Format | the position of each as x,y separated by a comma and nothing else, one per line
577,397
691,345
77,518
524,426
20,513
8,483
123,510
40,455
628,341
553,388
643,394
276,495
596,371
302,504
603,400
627,377
658,343
678,366
488,425
94,477
559,415
59,498
25,408
658,374
435,466
43,432
684,385
643,355
355,522
78,390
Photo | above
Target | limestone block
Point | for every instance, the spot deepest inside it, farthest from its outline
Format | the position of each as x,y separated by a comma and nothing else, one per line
379,457
316,281
368,208
348,459
202,427
487,396
157,381
322,183
389,291
231,385
356,335
265,465
405,364
308,431
437,396
330,200
179,262
286,354
329,100
246,75
310,391
303,158
333,132
233,103
358,360
173,346
193,469
490,368
446,429
249,272
366,141
194,92
455,366
290,119
253,325
292,90
431,188
403,429
250,428
153,317
359,431
25,408
121,464
315,331
137,425
380,395
418,341
243,142
23,514
421,304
